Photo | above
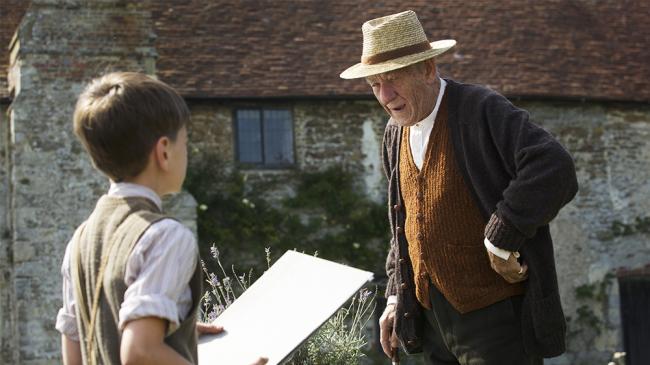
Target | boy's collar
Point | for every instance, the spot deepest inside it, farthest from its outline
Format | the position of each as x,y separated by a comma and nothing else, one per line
125,189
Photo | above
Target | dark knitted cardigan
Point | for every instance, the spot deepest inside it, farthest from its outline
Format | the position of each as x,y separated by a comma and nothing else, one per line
520,177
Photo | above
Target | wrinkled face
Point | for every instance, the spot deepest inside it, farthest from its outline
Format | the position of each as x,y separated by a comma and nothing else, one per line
408,94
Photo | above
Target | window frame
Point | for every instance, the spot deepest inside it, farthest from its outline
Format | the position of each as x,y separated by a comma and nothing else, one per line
263,165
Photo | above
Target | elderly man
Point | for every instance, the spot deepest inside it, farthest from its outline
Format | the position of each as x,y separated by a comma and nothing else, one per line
472,187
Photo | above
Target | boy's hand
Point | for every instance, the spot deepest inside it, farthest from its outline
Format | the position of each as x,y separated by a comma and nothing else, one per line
208,328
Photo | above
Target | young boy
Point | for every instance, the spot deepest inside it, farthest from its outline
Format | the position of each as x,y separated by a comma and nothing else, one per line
131,276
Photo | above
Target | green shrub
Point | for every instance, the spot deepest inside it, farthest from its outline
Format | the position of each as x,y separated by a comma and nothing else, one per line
327,214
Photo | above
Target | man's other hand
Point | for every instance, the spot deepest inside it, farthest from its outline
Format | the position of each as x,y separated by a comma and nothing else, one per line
509,269
386,326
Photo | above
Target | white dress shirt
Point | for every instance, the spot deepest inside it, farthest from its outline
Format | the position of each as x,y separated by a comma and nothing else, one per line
419,132
157,276
418,141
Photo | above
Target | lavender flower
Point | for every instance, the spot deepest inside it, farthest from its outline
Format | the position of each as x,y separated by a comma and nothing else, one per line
214,252
364,294
212,316
214,281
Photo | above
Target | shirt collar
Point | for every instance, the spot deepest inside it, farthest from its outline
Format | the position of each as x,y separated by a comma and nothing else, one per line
125,190
431,118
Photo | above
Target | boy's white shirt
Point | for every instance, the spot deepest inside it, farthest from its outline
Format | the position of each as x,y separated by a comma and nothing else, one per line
157,274
418,141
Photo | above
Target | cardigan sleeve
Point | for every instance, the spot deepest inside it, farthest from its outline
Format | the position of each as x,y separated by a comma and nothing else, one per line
543,174
391,288
390,259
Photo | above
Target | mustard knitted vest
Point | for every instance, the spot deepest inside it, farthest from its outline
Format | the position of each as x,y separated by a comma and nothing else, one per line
444,227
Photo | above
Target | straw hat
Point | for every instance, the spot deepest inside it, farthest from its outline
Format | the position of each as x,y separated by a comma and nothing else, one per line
393,42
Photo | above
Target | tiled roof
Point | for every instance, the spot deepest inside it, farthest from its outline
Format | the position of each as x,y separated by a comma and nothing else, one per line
297,48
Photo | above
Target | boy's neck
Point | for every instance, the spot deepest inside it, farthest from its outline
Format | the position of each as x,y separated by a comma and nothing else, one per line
149,182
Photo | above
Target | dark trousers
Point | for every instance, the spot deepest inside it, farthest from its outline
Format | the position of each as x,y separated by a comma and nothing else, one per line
486,336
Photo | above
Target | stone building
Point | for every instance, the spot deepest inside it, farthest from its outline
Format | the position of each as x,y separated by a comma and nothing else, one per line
261,79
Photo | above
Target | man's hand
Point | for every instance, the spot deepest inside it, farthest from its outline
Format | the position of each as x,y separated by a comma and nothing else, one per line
509,269
208,328
386,326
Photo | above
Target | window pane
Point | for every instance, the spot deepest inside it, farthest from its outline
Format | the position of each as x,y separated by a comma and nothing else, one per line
278,137
249,136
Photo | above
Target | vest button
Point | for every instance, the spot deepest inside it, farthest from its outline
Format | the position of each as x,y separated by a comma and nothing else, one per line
419,216
396,207
398,230
423,275
420,195
401,261
410,342
406,314
403,286
420,236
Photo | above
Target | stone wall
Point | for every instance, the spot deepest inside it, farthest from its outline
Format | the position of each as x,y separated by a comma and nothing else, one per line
326,133
605,227
5,242
53,184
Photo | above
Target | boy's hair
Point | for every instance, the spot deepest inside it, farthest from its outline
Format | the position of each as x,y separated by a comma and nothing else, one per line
120,117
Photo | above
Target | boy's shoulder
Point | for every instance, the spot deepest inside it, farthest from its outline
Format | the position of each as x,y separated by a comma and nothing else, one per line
168,224
170,231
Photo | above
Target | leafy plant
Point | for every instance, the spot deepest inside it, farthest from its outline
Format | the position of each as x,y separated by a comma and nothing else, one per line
327,213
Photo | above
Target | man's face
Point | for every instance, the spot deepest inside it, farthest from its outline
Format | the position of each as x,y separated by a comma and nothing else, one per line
408,94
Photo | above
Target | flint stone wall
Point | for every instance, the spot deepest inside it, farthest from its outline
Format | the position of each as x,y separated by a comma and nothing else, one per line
53,185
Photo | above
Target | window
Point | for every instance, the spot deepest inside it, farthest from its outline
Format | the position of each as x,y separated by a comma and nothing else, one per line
264,137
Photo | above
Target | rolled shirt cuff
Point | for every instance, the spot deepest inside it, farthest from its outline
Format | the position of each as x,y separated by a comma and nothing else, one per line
143,306
392,299
502,234
504,254
66,324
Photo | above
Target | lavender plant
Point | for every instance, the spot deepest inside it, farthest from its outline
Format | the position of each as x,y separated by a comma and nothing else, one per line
338,342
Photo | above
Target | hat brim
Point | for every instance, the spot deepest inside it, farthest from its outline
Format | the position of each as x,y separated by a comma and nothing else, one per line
362,70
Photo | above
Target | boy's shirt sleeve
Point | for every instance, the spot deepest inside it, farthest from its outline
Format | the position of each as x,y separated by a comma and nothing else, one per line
158,274
66,320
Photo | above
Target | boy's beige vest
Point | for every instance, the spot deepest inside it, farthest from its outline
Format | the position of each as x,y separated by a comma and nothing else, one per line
104,243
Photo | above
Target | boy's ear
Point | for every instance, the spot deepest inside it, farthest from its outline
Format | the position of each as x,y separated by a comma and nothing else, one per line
161,153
